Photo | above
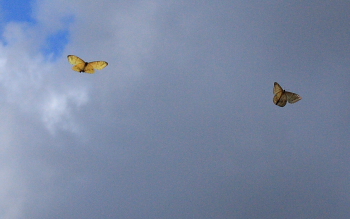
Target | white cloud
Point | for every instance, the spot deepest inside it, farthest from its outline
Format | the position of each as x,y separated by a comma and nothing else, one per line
30,82
57,110
29,89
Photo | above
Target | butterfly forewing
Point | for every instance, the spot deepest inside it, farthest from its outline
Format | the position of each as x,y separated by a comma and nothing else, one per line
280,98
74,60
98,64
277,88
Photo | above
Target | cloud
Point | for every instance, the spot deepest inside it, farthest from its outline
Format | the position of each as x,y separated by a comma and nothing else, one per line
180,124
28,79
57,111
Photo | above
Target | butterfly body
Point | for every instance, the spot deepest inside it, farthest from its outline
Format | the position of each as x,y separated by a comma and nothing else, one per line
282,97
87,67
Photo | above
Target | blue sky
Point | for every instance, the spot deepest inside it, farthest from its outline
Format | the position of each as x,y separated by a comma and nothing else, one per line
17,10
20,11
181,123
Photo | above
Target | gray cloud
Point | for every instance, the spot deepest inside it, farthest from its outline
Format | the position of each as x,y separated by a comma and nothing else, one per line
181,123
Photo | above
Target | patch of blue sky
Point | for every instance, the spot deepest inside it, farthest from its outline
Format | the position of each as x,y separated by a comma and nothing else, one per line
21,11
17,10
55,44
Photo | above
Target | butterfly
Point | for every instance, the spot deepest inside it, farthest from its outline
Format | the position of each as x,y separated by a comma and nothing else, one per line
87,67
281,96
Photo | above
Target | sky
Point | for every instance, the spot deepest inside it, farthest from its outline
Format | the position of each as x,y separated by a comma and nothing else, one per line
181,123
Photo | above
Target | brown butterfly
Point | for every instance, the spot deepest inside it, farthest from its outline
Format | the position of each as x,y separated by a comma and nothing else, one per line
281,96
87,67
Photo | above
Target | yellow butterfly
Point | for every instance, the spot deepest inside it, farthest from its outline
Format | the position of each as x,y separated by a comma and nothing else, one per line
281,96
87,67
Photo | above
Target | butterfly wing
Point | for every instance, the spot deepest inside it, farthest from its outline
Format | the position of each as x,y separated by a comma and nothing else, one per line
292,97
281,101
82,66
280,98
277,88
79,67
91,66
98,64
75,60
89,69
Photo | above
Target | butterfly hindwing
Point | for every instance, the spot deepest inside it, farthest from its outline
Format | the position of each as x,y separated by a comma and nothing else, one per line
280,100
79,67
89,68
